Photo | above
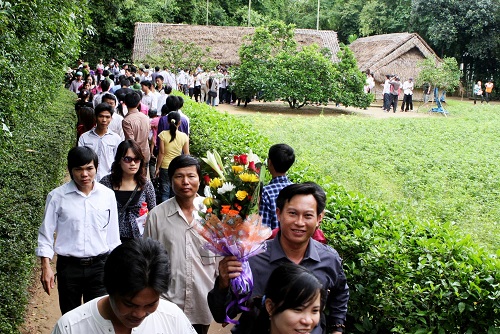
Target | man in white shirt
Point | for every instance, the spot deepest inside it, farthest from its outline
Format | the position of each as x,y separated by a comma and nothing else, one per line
84,214
387,94
193,268
116,119
135,275
408,95
102,140
149,98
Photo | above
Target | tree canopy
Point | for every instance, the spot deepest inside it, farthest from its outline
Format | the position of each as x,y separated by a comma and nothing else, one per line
274,67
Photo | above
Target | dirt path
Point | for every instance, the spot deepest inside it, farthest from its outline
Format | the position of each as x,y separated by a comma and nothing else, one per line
43,310
375,110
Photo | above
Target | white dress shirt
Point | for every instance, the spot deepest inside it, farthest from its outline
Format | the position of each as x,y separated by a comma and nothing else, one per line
408,88
104,146
168,318
86,225
116,125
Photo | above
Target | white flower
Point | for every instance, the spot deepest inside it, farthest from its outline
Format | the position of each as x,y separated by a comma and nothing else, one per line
207,192
225,188
253,157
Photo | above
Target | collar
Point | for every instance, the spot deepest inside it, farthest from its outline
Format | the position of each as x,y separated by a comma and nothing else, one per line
280,179
71,187
108,131
276,251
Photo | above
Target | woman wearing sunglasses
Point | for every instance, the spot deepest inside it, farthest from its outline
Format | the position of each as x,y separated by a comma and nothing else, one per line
128,181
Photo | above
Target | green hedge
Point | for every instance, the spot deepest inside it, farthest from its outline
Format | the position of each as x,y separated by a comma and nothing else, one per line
405,276
33,163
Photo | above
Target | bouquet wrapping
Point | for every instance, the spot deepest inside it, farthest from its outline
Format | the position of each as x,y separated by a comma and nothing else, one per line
228,222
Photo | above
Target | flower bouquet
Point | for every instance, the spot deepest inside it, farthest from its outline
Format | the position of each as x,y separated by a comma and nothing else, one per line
230,222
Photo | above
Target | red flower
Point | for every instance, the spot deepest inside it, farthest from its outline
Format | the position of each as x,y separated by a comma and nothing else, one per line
236,159
243,159
206,178
251,166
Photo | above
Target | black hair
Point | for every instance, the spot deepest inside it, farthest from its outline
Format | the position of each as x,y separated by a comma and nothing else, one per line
86,117
105,84
105,73
146,83
132,99
171,104
306,188
167,89
282,157
124,82
157,68
180,102
173,119
290,286
136,265
80,156
182,161
116,169
160,77
109,96
103,107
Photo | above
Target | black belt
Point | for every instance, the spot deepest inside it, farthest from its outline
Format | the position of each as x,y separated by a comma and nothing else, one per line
82,261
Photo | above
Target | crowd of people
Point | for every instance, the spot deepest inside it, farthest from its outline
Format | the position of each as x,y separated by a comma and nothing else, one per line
154,275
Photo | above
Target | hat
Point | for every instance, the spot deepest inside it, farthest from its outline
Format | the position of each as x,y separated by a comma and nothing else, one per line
411,79
79,74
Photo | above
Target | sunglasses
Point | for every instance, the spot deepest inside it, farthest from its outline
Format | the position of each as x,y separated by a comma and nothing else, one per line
128,160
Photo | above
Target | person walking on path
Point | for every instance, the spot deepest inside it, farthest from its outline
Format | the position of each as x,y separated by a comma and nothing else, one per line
85,216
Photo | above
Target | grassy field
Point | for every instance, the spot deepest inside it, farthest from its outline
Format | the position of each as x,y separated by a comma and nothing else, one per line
435,168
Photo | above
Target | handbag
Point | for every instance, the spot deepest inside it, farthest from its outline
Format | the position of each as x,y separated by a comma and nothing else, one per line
212,93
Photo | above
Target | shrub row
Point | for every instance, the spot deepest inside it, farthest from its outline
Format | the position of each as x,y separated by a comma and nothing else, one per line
405,276
32,164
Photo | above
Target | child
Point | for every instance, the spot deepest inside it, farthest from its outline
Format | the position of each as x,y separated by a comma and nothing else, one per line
280,158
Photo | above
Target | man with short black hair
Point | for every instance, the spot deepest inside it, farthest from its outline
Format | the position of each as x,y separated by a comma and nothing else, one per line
300,209
171,222
84,214
136,274
102,140
136,125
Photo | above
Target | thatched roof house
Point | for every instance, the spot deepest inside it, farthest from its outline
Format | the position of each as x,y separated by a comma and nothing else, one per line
397,54
223,41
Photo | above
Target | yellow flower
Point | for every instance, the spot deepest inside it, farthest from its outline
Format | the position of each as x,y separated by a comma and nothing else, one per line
215,183
237,169
208,201
247,177
241,195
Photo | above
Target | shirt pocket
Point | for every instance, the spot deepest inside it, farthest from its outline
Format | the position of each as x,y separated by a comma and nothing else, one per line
101,218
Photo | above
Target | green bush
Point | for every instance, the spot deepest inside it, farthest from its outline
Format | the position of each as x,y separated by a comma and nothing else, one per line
212,130
32,164
407,276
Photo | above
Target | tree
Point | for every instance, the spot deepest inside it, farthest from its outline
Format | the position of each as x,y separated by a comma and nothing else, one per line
444,74
466,30
274,67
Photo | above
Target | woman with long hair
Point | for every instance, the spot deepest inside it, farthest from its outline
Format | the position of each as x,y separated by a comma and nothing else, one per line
128,181
172,143
292,303
86,120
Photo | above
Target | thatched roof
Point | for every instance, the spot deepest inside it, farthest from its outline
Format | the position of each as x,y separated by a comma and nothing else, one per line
396,54
224,42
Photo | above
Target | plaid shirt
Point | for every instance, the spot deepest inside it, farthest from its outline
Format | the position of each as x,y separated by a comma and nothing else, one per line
267,207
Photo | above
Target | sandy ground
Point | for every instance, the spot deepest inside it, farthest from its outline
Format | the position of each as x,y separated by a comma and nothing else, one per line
43,310
375,110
